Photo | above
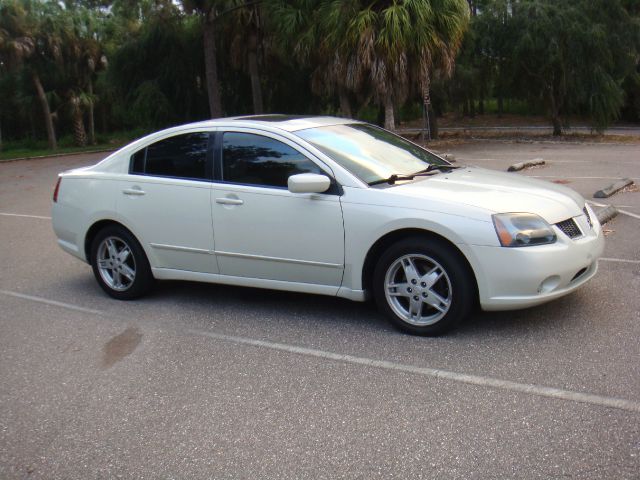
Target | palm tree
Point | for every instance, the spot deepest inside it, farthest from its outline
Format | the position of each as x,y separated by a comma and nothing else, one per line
83,56
78,102
386,49
28,39
244,27
300,29
209,10
400,45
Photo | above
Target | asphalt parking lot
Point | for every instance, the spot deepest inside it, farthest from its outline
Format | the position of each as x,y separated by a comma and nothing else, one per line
206,381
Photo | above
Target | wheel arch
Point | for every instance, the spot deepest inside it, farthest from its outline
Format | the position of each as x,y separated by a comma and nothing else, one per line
98,225
388,239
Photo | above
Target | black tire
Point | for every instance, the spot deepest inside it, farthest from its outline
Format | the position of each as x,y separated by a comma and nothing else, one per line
137,260
424,254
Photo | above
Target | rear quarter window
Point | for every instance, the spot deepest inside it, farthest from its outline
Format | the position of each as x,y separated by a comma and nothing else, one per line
182,156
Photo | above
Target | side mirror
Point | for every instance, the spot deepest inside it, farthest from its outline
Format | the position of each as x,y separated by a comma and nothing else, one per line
308,183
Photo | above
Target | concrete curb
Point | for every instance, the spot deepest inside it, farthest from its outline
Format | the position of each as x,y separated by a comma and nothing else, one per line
522,165
53,155
606,214
613,188
447,156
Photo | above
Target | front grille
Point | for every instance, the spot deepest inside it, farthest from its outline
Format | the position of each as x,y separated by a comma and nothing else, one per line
569,228
586,213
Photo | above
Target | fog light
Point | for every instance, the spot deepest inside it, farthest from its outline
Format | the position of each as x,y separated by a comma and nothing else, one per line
549,284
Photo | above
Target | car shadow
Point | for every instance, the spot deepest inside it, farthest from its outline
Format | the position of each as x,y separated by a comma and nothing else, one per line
275,305
547,319
301,310
291,307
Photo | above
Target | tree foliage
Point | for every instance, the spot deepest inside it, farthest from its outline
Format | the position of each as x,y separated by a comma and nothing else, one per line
71,67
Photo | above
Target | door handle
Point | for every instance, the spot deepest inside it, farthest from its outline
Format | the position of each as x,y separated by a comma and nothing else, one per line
229,201
133,191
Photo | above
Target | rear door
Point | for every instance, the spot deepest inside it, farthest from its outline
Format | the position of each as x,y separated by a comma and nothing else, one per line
166,201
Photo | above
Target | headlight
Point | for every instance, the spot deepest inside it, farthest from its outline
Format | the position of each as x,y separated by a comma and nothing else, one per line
522,230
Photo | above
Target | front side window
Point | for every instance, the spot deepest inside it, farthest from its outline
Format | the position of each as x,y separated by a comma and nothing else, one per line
256,160
182,156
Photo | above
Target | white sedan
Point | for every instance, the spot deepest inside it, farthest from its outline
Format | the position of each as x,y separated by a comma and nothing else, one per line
326,206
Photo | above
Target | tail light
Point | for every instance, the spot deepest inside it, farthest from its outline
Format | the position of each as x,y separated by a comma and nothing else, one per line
56,190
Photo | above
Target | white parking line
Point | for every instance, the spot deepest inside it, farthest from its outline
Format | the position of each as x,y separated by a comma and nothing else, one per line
597,204
580,178
478,380
619,260
46,301
22,215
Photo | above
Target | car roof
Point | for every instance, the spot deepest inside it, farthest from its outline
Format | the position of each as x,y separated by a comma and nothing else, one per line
289,123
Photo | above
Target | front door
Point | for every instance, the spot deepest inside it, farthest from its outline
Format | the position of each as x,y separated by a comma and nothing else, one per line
261,229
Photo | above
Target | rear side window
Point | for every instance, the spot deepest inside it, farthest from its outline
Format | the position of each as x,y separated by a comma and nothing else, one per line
182,156
256,160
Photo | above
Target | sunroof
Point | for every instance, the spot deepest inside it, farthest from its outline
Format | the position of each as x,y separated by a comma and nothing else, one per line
273,118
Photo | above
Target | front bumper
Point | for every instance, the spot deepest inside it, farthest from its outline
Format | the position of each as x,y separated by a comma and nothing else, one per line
512,278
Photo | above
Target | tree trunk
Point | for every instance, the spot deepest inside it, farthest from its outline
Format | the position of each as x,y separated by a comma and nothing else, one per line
79,133
500,105
345,104
472,108
555,114
103,118
92,126
380,116
389,118
557,126
433,124
465,108
254,73
46,111
211,67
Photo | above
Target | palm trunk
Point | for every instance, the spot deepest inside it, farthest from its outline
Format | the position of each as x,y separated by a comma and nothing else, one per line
433,124
103,118
345,104
555,114
211,68
92,126
254,74
79,133
44,103
389,118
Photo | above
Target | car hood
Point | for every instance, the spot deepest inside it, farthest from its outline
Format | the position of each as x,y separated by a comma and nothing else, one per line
498,192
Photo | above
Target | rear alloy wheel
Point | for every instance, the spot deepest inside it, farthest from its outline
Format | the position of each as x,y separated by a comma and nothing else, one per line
423,286
119,264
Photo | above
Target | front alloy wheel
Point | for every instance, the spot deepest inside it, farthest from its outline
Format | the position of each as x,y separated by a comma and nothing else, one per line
424,286
418,289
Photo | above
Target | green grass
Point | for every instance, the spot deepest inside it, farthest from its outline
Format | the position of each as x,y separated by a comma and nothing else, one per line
45,152
30,148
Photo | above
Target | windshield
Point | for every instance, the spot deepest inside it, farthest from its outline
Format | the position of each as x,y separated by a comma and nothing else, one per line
370,153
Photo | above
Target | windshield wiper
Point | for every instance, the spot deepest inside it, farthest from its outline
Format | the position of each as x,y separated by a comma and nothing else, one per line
433,167
392,179
399,177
